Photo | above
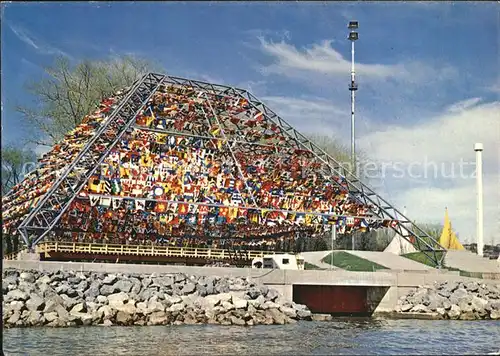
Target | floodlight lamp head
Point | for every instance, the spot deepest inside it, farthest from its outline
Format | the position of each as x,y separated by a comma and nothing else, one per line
353,36
353,25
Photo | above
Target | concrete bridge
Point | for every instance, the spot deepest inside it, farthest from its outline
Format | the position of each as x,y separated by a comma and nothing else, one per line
324,291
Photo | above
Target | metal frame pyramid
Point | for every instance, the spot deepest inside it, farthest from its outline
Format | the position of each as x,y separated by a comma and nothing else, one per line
232,138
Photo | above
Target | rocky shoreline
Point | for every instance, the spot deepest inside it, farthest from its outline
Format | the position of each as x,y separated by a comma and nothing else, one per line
452,300
63,299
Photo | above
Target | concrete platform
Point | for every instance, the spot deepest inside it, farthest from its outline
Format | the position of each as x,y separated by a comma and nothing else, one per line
391,261
470,262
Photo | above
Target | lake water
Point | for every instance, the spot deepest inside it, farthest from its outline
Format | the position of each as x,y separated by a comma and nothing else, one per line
340,336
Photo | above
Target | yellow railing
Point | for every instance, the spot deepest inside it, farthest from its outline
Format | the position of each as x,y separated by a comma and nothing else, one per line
12,256
144,250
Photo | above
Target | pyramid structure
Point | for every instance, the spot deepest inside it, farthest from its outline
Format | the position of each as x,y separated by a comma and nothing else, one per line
448,237
182,161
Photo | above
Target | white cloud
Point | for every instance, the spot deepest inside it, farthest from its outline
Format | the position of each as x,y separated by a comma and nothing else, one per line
464,104
21,34
36,44
322,59
443,140
427,204
495,88
310,114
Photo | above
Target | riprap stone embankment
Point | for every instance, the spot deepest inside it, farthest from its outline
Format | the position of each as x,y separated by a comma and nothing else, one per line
60,299
454,300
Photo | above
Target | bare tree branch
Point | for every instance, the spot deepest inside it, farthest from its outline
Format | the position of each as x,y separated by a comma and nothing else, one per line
67,93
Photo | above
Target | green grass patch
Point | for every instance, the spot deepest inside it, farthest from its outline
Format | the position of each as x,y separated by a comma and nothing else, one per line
310,266
422,258
351,262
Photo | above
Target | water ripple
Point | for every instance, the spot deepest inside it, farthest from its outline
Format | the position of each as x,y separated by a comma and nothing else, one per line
339,337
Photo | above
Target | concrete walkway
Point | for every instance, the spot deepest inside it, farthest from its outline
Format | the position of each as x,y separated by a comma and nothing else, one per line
391,261
315,258
470,262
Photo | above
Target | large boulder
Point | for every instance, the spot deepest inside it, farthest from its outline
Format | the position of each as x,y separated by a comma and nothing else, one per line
35,303
288,311
16,294
27,277
278,317
107,289
454,312
45,279
159,318
35,318
179,307
124,318
51,303
93,291
154,306
188,288
479,304
272,295
406,307
118,298
304,314
123,285
109,279
79,308
471,286
420,308
68,302
164,282
495,314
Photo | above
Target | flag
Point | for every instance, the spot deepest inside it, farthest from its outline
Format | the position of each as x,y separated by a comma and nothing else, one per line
183,209
158,191
93,200
140,204
160,207
106,202
116,202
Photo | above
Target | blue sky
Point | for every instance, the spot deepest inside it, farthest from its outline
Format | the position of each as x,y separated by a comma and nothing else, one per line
428,74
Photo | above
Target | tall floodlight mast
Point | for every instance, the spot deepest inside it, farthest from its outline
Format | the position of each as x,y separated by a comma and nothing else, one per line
478,147
353,86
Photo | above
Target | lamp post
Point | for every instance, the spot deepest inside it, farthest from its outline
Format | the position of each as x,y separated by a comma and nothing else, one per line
353,86
334,238
478,147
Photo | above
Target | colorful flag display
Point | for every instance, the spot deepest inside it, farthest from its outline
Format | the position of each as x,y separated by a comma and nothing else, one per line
194,164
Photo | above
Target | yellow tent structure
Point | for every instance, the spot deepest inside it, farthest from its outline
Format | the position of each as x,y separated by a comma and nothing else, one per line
448,238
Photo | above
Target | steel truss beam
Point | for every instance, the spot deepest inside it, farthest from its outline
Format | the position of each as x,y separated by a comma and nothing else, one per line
228,145
359,191
56,201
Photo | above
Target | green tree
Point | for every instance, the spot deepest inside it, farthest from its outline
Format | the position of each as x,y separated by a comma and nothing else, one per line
69,91
342,154
368,241
432,229
16,162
